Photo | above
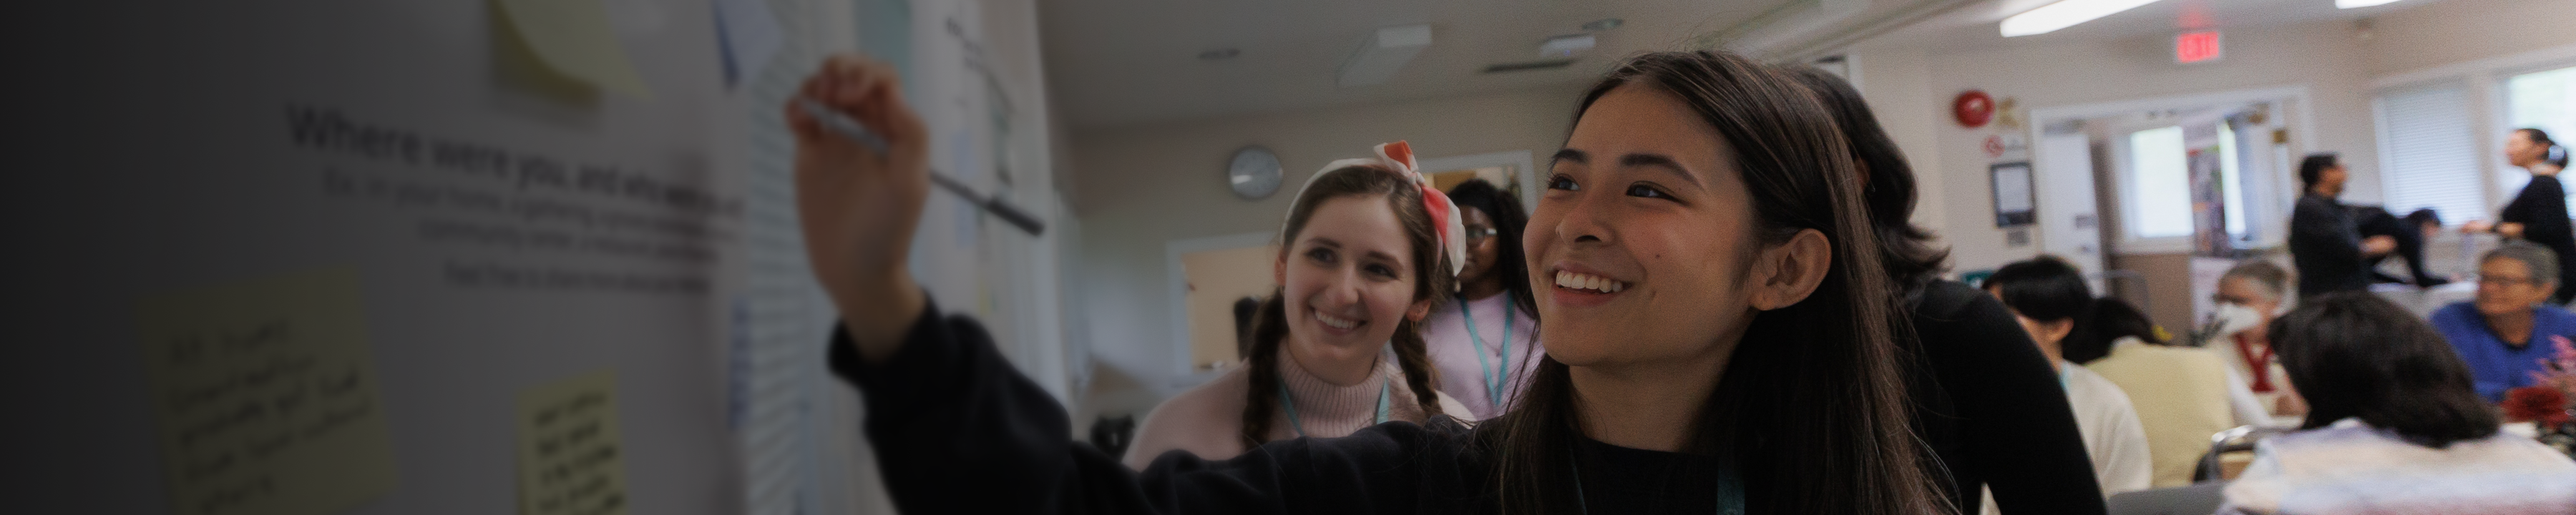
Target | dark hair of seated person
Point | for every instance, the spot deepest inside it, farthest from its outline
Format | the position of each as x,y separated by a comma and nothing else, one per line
2048,289
2355,355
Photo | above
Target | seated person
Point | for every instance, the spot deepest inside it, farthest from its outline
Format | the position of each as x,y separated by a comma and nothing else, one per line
2249,295
2392,426
2182,394
2503,332
2410,232
2052,302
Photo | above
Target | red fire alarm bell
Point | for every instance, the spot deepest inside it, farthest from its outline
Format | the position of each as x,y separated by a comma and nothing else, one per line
1973,109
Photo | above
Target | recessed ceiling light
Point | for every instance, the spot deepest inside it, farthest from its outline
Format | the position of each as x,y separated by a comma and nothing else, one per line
2063,14
1565,46
1383,54
2356,4
1612,23
1220,54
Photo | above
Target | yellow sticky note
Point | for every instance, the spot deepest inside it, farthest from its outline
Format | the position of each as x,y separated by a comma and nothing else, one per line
267,396
570,456
574,38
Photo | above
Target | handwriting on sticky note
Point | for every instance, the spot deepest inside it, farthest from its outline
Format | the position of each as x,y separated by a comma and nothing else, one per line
267,396
569,453
575,38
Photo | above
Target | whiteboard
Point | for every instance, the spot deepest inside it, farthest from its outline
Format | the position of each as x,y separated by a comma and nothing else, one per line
393,141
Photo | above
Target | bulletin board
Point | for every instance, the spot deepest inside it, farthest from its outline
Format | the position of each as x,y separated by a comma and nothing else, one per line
512,256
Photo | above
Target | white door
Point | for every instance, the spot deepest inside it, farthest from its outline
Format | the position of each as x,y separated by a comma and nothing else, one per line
2069,222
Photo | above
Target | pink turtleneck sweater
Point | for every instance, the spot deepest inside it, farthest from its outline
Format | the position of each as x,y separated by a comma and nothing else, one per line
1208,420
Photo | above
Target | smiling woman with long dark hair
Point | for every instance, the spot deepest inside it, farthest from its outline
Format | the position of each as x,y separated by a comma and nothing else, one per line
1718,327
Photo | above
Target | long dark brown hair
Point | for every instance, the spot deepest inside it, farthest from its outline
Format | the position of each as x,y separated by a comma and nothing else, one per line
1431,282
1811,409
1906,251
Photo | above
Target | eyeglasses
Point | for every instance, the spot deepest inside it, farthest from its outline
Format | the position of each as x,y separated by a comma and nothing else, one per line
2504,281
1476,233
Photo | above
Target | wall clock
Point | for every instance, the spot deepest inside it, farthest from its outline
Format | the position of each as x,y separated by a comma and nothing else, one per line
1254,174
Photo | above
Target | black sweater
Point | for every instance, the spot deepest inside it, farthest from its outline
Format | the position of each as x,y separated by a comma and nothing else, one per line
2326,247
957,430
2541,208
1989,406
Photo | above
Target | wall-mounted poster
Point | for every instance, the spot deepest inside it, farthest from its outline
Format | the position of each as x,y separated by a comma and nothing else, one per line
2013,200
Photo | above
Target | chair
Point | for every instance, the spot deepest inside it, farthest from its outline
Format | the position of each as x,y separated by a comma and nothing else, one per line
2197,499
2239,439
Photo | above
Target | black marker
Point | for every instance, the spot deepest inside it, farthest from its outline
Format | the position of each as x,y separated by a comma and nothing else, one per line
856,132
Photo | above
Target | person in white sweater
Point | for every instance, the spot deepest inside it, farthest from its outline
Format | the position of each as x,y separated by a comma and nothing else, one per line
2051,299
2393,426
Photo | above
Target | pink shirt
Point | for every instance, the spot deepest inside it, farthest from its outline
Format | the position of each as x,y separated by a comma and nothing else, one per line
1454,351
1208,420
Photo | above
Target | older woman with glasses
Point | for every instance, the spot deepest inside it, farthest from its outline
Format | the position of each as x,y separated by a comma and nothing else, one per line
2501,333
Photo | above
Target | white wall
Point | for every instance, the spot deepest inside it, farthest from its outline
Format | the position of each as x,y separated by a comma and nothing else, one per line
1895,82
2454,31
1139,187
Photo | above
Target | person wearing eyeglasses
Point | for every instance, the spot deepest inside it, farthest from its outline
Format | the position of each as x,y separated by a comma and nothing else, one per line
1485,344
2503,332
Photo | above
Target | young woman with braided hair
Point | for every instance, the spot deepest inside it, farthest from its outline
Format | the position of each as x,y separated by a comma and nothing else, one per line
1362,259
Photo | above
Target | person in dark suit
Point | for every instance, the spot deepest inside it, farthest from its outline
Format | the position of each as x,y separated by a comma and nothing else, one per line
2325,245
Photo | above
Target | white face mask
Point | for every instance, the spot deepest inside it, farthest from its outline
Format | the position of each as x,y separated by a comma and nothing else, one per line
2232,318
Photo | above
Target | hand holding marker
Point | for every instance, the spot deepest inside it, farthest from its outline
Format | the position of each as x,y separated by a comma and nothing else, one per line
851,129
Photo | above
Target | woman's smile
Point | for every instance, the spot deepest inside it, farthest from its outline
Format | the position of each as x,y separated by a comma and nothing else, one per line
1337,326
1581,287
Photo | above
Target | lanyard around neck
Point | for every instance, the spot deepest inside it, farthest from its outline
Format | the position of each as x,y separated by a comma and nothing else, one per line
1286,401
1493,384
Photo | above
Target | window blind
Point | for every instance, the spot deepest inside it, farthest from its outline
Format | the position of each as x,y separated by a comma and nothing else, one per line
2426,154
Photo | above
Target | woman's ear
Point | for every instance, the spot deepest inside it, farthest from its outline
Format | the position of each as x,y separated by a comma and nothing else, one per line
1419,310
1788,272
1279,268
2056,330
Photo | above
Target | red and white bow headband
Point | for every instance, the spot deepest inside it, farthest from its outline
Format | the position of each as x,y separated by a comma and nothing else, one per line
1398,157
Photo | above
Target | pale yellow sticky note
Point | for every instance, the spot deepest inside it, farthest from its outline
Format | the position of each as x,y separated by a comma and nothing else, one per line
574,38
570,455
267,396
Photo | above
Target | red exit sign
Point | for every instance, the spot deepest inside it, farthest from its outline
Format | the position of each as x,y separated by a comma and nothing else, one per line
2195,47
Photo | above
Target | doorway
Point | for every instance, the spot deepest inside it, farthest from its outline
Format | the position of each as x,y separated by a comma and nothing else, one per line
2184,187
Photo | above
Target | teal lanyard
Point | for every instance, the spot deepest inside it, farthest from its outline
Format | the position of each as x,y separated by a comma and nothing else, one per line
1291,403
1730,492
1493,385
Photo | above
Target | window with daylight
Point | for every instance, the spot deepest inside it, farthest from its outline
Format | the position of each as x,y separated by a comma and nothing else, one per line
2427,156
2162,182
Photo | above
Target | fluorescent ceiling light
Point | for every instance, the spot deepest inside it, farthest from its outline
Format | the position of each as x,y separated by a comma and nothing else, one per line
2355,4
2067,13
1385,52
